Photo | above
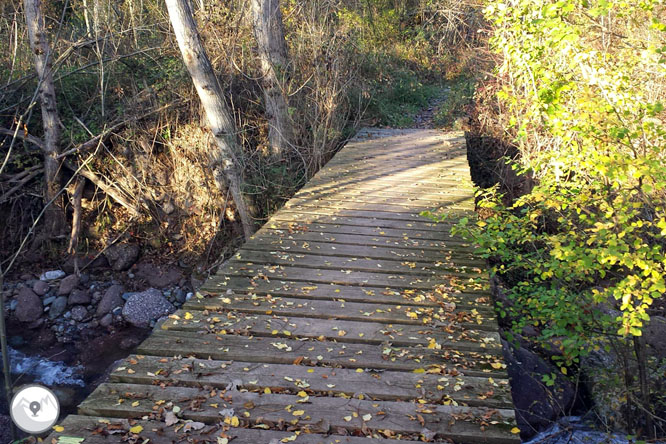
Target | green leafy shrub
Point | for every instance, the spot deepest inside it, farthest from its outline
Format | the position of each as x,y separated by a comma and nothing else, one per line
582,87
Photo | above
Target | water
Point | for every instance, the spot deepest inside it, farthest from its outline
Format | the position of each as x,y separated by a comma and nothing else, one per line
44,371
575,430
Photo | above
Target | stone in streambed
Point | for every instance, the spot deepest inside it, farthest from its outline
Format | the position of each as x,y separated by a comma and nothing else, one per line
122,256
29,306
68,284
112,298
146,306
51,275
58,307
40,288
79,297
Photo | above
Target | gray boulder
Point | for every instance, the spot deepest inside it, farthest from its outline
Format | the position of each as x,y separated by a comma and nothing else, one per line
112,298
68,284
537,405
122,256
159,276
58,307
79,297
40,288
51,275
29,306
106,320
79,313
146,306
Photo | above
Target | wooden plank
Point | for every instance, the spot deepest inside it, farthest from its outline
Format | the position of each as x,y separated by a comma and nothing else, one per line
395,207
320,381
353,293
297,219
449,336
380,240
463,424
342,277
343,309
462,259
481,363
369,195
98,430
313,260
365,229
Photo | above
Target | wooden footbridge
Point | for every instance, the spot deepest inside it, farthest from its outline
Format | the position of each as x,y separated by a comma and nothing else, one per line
348,318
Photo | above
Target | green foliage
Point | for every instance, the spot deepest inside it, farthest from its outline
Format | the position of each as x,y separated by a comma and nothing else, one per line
397,99
584,250
459,95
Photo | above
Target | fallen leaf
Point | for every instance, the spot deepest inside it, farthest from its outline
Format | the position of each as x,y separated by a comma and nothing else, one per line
136,429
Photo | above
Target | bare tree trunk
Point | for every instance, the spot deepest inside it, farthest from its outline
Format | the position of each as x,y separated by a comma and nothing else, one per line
55,216
76,218
217,112
269,33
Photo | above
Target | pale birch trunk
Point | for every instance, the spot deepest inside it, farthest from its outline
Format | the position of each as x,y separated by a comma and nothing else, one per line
269,34
54,215
217,113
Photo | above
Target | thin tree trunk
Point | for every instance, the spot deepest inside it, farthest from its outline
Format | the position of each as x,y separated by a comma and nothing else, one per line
269,34
76,218
217,112
55,216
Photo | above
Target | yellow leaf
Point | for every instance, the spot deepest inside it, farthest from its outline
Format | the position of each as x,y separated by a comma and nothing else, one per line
419,370
136,429
267,391
235,421
515,430
563,370
135,403
188,316
359,370
59,428
302,394
497,365
298,412
347,418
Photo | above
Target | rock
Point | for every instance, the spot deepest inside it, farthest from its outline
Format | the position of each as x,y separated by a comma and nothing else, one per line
58,307
654,333
48,301
112,298
180,295
149,305
536,404
159,276
26,277
40,288
85,278
79,313
51,275
29,307
68,284
122,256
106,320
79,297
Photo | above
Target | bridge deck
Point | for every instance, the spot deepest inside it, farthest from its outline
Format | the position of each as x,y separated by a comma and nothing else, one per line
348,318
